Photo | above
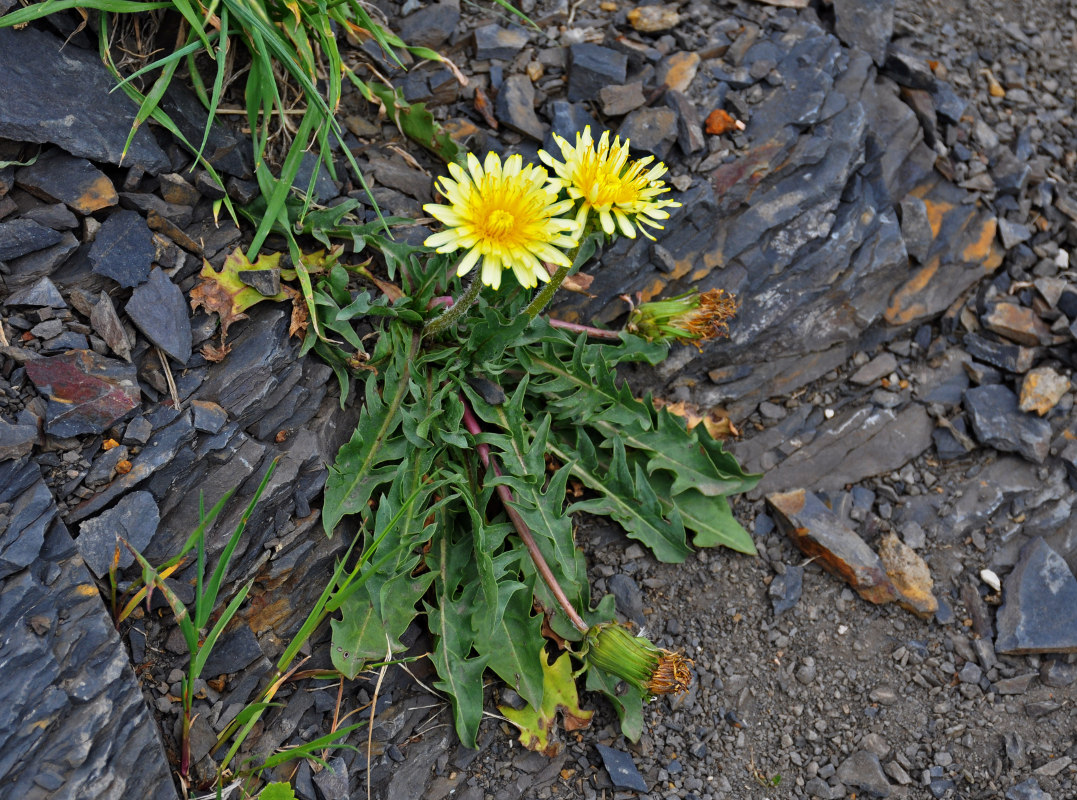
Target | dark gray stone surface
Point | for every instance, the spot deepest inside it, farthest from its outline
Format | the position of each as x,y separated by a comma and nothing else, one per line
134,519
123,249
58,176
593,67
1038,601
159,310
64,95
622,769
998,422
867,24
863,771
74,718
43,293
494,41
21,236
515,107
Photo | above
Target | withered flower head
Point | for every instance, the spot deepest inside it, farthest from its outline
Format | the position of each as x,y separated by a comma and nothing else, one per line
689,318
637,661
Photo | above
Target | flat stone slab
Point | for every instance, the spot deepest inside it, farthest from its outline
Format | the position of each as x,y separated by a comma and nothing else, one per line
1040,595
123,249
64,95
74,720
159,310
854,446
74,181
87,393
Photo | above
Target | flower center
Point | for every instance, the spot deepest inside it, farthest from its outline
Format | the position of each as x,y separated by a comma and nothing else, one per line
499,223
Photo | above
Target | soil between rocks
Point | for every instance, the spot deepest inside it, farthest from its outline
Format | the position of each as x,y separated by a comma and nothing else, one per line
833,697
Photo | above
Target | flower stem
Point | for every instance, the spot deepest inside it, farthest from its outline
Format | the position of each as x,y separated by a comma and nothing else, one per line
471,422
455,311
545,295
575,327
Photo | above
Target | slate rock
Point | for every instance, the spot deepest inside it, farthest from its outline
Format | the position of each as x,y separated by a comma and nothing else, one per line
123,249
494,41
998,422
57,176
1038,601
677,71
1027,790
619,100
208,417
654,19
820,534
56,216
159,311
106,324
628,596
265,281
237,649
867,24
592,67
177,190
875,370
16,441
86,392
949,105
65,95
75,686
42,294
21,236
785,590
915,228
1012,233
566,120
430,26
515,107
907,69
863,770
1010,357
135,518
1057,673
650,130
622,769
32,513
689,126
104,466
325,188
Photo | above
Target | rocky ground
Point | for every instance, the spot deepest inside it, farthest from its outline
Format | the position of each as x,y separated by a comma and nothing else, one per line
897,216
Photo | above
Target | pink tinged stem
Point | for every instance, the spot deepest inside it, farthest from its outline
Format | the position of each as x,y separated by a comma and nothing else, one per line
574,327
471,422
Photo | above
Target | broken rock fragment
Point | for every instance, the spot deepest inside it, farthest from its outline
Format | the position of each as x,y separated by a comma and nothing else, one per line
87,393
910,575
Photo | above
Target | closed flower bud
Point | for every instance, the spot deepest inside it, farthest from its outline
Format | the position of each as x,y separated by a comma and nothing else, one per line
634,659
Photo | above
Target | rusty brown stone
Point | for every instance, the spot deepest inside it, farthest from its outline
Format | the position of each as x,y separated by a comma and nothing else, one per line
652,19
821,535
677,71
1017,323
910,576
1041,390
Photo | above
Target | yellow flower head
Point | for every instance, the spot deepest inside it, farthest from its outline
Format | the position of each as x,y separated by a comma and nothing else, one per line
507,216
688,318
624,194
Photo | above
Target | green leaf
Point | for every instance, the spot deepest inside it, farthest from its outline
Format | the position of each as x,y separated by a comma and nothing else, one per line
513,641
709,518
536,723
370,457
630,500
277,791
376,614
628,702
449,619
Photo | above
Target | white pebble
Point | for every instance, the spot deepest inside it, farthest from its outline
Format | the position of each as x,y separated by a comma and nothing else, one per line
991,579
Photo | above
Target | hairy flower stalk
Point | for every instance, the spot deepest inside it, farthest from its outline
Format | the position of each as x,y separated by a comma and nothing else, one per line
624,195
689,318
506,217
652,670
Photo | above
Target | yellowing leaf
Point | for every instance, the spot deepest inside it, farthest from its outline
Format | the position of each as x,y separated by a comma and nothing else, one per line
558,694
226,295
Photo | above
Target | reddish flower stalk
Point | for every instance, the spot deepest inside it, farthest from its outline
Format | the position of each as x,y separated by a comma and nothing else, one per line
471,422
575,327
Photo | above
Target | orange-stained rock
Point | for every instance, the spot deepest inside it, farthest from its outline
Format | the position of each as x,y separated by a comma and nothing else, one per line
910,576
1017,323
652,19
677,71
821,535
1041,390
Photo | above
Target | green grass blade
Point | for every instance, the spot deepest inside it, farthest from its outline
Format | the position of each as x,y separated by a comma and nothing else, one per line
39,10
199,659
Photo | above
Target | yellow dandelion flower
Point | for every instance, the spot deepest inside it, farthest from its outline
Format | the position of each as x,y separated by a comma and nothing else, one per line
507,216
623,193
688,318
